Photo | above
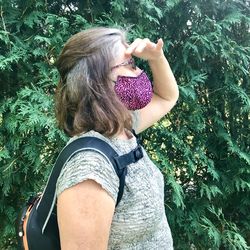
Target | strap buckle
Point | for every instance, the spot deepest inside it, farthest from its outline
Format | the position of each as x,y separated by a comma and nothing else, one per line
137,153
133,156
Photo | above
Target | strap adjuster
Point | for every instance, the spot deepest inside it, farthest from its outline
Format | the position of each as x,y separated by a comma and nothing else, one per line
137,153
133,156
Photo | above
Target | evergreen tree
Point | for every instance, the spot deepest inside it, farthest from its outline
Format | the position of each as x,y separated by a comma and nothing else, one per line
202,146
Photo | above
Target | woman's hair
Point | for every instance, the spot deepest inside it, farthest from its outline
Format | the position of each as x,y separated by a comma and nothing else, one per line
85,97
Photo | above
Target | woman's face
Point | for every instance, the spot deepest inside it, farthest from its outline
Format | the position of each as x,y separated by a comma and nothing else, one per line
123,64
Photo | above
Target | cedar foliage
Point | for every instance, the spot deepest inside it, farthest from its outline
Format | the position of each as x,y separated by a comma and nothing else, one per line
202,146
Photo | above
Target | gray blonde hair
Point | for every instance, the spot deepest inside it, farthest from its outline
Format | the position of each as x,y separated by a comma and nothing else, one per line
85,97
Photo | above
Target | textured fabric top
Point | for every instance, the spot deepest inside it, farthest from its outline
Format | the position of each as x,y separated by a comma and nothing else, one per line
139,221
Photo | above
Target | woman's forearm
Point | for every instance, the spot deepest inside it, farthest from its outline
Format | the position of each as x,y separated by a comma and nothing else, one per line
164,82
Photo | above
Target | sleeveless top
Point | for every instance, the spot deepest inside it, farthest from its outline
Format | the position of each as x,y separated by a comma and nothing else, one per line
139,221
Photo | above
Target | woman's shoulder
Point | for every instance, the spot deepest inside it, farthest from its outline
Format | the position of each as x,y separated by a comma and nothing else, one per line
90,133
121,146
88,164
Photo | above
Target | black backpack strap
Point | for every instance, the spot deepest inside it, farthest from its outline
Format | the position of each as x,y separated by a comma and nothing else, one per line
47,201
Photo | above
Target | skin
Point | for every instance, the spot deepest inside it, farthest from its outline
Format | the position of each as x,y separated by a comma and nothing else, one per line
86,225
165,87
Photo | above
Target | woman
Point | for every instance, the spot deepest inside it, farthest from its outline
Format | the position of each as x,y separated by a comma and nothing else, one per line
93,98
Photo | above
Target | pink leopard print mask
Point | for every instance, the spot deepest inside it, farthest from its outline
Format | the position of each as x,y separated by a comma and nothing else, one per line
134,92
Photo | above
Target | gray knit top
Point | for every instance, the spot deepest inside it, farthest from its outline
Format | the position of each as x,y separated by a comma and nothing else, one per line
139,221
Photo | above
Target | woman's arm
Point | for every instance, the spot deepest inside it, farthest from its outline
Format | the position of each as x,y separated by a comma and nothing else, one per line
166,91
84,214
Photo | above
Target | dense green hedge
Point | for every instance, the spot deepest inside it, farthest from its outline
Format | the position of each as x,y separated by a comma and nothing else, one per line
202,146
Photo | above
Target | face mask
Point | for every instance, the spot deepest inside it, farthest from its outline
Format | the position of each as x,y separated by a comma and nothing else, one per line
134,92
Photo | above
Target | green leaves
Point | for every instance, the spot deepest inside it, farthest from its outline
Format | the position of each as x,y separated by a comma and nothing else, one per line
205,158
33,18
201,147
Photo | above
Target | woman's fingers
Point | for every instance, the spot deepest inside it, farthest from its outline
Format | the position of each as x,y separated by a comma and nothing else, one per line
139,45
159,44
142,45
144,48
133,46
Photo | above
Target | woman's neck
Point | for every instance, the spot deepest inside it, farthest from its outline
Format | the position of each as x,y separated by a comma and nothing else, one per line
125,135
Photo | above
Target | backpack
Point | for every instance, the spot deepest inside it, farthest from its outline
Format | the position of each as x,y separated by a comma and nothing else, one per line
37,223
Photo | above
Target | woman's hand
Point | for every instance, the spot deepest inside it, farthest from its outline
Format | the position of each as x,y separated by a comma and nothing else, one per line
165,87
145,49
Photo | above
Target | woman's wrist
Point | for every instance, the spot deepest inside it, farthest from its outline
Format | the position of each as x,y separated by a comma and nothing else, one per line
159,63
158,60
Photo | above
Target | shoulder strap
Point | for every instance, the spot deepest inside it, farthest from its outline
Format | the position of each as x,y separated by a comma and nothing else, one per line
47,201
